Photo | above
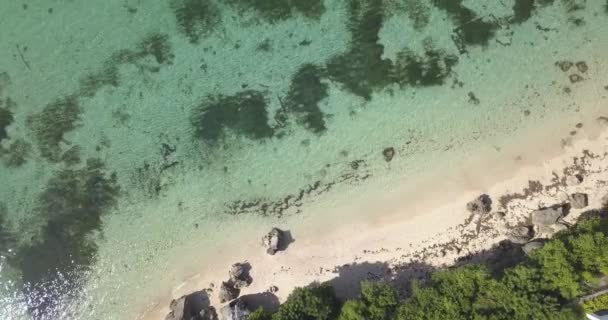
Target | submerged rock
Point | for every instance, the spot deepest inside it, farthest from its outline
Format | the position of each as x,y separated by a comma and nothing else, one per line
388,153
582,66
236,310
481,205
521,234
274,241
547,216
579,200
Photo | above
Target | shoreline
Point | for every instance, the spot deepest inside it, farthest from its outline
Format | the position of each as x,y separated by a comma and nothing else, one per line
400,237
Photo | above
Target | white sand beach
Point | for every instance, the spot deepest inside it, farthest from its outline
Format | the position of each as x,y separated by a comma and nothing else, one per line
412,236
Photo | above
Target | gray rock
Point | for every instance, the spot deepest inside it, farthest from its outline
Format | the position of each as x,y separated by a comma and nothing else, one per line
574,180
388,154
274,241
579,200
547,216
236,310
191,306
481,205
521,234
177,309
531,246
239,275
227,292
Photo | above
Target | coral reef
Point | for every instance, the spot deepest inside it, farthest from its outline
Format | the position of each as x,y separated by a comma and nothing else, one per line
279,10
244,113
362,69
72,204
305,93
51,124
153,45
428,70
6,118
195,18
470,29
522,10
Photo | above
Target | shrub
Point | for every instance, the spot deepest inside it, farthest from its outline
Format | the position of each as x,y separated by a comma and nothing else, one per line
316,302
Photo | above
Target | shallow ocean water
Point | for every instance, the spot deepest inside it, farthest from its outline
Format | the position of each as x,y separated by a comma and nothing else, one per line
138,138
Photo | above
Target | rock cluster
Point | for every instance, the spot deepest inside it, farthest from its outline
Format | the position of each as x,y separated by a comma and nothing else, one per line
191,306
239,275
236,310
228,292
481,205
579,200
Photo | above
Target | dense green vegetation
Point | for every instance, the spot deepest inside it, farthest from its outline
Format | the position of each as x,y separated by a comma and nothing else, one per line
545,285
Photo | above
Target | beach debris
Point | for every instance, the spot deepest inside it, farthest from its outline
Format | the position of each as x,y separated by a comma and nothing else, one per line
574,78
228,292
274,241
235,310
388,154
579,200
239,275
521,234
564,65
532,245
574,180
547,216
481,205
273,289
582,66
192,306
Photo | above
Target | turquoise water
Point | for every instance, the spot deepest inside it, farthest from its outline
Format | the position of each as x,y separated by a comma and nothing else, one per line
133,132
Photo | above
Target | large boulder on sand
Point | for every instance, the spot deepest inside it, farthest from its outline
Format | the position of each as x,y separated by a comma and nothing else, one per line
481,205
579,200
228,292
547,216
191,306
274,241
521,234
239,275
236,310
532,245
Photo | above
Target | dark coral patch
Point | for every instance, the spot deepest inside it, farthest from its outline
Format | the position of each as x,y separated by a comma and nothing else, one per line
195,18
305,93
279,10
470,29
244,113
7,237
72,203
155,45
16,153
6,118
522,10
52,123
362,69
428,70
